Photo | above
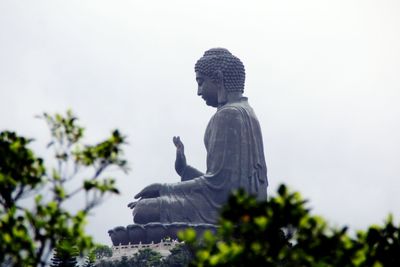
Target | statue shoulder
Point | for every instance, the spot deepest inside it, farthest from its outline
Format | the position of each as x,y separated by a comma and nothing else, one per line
229,110
229,114
239,108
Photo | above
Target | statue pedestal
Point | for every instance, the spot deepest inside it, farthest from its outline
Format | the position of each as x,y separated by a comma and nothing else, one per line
154,232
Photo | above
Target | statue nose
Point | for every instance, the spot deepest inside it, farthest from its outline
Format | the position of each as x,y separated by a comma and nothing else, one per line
199,91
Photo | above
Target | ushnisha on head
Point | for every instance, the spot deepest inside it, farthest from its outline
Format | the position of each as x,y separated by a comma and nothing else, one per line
220,60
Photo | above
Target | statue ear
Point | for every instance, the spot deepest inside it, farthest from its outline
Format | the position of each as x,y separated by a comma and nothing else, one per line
219,80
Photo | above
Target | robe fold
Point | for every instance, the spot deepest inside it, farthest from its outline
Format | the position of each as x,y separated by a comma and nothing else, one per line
235,159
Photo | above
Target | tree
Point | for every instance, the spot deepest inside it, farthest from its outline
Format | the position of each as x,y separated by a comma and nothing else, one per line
101,251
146,258
105,263
89,262
124,262
282,232
64,257
30,231
91,258
180,256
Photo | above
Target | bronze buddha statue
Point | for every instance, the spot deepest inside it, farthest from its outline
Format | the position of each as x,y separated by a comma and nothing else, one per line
235,154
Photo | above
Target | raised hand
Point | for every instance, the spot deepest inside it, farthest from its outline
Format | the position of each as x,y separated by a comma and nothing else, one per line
150,191
180,162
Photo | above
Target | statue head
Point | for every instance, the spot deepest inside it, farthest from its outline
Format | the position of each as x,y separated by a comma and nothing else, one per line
219,73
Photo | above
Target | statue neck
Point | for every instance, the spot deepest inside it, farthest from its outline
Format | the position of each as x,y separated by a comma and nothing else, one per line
230,97
234,96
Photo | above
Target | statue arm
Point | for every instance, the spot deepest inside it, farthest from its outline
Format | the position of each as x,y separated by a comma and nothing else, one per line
189,173
186,172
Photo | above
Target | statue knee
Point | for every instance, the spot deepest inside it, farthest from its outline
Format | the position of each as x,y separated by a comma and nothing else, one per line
146,211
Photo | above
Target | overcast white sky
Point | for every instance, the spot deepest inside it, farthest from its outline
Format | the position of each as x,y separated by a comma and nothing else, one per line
322,76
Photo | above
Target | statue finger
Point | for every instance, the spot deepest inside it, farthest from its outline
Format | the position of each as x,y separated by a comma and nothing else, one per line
145,193
179,143
175,140
142,193
139,195
132,204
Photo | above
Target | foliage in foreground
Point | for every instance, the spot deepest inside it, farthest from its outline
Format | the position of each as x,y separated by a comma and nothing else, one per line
282,232
30,230
180,256
64,257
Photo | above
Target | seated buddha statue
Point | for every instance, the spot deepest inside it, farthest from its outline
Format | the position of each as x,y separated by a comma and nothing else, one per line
234,145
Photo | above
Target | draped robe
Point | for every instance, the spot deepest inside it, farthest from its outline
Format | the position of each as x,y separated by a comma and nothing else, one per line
235,159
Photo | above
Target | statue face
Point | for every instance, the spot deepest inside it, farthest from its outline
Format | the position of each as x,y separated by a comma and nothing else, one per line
207,89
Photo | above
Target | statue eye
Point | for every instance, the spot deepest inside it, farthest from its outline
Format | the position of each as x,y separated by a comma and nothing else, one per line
200,81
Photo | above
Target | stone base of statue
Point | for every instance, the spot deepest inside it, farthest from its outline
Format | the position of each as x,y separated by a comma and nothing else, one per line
154,232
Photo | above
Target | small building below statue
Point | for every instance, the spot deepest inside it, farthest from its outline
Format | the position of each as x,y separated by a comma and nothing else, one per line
129,250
